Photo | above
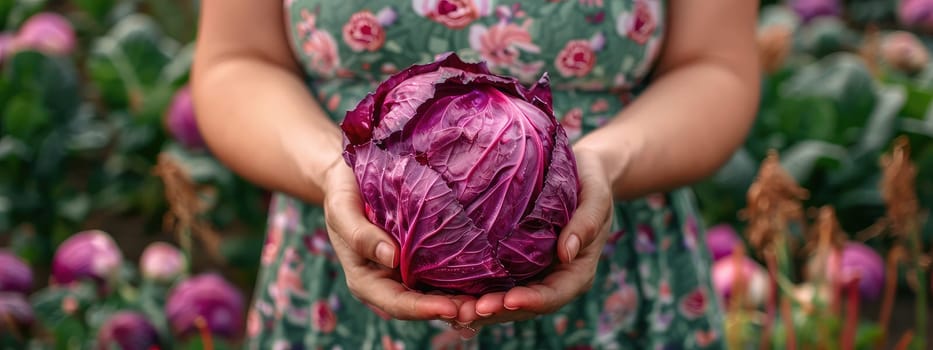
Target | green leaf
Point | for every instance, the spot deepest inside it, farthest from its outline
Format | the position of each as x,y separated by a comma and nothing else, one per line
97,9
129,59
75,208
201,167
811,118
843,79
880,128
23,117
53,78
738,172
176,72
827,35
803,158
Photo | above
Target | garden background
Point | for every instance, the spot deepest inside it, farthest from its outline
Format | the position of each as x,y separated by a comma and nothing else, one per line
97,137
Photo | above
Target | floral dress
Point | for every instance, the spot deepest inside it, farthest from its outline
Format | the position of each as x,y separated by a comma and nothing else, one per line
652,288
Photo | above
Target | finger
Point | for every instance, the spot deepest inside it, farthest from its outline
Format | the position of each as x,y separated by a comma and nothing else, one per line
490,304
344,216
467,312
557,289
588,219
407,305
507,316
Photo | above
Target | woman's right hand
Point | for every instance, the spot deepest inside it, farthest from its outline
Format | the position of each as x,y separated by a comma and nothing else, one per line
369,256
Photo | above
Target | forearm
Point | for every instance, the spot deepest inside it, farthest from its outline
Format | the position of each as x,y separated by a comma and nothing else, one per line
261,121
680,130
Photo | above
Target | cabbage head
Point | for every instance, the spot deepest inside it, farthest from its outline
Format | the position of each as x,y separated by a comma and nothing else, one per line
468,171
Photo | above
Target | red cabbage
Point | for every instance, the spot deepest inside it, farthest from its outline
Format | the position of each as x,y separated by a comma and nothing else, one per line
469,171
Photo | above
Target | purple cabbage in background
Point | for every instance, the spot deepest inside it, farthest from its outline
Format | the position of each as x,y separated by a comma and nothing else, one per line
916,13
162,262
206,296
16,315
88,254
46,32
721,240
904,51
810,9
127,330
470,172
726,274
181,122
15,274
858,259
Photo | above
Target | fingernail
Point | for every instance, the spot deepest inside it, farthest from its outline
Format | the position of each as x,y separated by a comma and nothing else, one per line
573,247
510,308
449,317
385,254
480,314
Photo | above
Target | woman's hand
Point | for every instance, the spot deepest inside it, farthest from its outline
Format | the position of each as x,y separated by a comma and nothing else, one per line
579,247
359,244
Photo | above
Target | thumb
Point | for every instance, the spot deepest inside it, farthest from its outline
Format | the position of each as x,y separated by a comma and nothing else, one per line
592,214
344,215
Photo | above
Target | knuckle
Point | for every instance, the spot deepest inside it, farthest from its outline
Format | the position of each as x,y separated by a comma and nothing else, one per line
357,239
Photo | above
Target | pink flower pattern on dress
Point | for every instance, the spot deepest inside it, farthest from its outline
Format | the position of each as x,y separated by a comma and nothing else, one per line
453,14
640,24
502,43
363,32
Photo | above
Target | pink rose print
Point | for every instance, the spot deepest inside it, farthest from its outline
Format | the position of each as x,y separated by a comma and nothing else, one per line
620,308
499,44
364,32
319,45
656,201
453,14
323,318
644,239
333,102
449,339
578,57
664,292
319,244
694,304
705,338
599,106
639,24
273,242
572,121
560,324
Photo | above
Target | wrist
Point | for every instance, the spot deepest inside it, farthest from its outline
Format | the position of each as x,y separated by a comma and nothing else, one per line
614,149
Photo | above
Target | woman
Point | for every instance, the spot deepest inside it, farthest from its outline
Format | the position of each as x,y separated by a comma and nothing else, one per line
270,85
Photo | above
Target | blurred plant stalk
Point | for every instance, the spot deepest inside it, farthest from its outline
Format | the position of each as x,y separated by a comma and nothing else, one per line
903,221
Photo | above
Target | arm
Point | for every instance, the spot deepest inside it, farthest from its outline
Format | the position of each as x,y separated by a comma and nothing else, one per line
254,111
260,120
690,121
697,111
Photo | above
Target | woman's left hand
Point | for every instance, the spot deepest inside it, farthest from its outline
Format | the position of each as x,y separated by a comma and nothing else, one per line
579,247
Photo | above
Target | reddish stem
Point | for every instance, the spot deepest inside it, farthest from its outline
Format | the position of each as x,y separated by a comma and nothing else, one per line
770,308
851,321
789,324
786,311
905,340
890,288
206,338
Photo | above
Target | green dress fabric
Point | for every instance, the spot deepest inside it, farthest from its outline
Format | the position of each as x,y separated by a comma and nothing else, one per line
652,287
